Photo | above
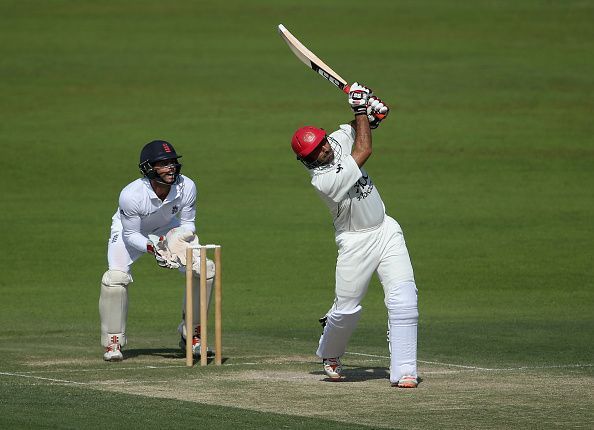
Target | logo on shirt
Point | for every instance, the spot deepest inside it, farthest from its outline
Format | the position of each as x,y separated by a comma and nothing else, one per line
174,210
363,187
339,168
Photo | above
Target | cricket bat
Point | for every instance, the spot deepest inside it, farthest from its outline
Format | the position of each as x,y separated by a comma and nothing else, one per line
313,62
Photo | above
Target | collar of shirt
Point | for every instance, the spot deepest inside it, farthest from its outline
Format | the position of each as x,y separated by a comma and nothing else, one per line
174,192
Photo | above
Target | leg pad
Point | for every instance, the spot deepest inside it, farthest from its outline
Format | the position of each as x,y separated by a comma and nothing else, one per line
403,316
113,307
337,332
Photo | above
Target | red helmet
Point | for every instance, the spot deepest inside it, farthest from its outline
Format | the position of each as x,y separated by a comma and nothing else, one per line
306,139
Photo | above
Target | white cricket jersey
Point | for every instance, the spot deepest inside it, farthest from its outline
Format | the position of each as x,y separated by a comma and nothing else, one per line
141,212
347,190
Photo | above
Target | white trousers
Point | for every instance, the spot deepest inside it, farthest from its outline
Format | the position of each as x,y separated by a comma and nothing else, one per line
120,256
382,251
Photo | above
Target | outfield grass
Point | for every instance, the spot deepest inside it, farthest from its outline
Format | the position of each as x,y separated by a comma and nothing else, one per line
486,161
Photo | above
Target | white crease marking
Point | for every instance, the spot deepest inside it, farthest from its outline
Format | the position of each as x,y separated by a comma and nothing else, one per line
63,381
111,368
489,369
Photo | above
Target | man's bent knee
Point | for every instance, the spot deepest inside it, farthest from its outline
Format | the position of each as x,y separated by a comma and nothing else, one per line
401,302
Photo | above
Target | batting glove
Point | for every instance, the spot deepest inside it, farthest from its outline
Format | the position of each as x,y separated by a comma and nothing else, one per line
377,110
358,98
163,256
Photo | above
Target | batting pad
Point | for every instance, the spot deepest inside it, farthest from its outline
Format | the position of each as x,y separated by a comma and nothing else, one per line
195,304
339,328
210,266
403,316
113,306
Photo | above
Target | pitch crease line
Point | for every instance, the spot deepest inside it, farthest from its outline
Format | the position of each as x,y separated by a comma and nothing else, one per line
106,369
30,372
558,366
42,378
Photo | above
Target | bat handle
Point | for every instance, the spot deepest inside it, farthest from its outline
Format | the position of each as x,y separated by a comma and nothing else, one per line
346,89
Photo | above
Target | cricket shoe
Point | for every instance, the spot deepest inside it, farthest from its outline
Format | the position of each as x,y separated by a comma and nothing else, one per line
332,367
113,352
195,344
406,382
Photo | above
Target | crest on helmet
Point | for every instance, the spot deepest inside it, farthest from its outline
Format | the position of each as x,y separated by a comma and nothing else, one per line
309,137
306,139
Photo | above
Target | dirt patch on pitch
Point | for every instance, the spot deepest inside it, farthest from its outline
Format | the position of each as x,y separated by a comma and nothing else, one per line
60,363
289,359
447,398
298,393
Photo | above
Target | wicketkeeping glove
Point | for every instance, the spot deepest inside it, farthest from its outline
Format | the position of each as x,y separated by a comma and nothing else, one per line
163,256
377,110
358,98
177,240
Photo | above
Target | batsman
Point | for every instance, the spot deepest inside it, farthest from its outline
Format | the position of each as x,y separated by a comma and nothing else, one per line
156,215
368,239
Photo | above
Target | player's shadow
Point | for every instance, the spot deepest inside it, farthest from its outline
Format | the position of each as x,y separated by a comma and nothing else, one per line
357,374
174,353
159,352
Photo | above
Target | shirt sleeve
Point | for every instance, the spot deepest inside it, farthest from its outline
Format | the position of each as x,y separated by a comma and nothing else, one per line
350,133
130,218
338,182
187,216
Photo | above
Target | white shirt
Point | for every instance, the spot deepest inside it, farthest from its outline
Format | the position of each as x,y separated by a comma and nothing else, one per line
347,190
141,212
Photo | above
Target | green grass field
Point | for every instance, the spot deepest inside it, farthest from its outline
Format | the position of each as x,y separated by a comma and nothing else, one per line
486,161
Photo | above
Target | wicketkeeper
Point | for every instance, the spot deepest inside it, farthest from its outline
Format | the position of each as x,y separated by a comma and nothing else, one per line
156,215
368,239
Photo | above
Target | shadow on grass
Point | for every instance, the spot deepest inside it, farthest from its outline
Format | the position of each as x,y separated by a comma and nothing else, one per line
174,353
358,374
159,352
